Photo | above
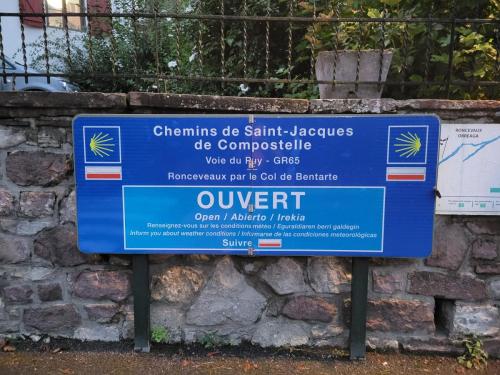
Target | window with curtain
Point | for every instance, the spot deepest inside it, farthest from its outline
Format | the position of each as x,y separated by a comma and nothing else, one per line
97,25
69,6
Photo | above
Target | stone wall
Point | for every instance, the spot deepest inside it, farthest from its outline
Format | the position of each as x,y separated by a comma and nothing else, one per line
48,288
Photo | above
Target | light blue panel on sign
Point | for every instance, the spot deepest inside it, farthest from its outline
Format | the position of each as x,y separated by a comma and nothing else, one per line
282,219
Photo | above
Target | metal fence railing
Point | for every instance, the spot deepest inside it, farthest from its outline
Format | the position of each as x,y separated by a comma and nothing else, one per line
436,49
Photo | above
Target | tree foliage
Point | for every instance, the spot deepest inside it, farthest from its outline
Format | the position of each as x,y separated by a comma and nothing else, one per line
188,55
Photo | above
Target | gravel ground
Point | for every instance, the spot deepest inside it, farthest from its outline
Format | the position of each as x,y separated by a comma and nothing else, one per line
68,357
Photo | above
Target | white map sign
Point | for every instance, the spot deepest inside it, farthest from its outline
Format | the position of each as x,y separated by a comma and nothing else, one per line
469,169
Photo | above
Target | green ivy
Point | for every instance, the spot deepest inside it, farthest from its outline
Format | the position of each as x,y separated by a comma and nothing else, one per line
160,335
475,356
211,340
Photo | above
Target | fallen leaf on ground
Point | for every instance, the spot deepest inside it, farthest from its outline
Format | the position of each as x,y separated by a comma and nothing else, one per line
9,348
185,363
56,350
247,366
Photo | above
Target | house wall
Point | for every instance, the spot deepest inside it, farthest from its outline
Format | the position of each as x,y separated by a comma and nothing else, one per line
12,40
47,287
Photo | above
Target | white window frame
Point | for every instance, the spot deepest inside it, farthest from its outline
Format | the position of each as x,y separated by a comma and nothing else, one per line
63,5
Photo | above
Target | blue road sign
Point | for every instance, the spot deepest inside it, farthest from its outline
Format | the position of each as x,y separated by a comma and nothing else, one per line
259,185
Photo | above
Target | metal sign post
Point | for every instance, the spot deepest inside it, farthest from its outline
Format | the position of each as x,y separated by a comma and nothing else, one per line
141,294
359,301
357,186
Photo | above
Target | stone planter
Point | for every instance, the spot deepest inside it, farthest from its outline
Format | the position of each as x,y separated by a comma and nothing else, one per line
345,70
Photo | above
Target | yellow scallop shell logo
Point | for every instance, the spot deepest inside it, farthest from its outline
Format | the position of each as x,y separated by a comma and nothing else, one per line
408,144
100,144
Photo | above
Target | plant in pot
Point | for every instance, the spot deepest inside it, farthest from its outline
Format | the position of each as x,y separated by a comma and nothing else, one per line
353,51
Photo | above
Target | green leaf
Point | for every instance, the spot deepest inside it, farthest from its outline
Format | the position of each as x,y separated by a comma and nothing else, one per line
442,58
374,13
444,41
390,2
416,78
